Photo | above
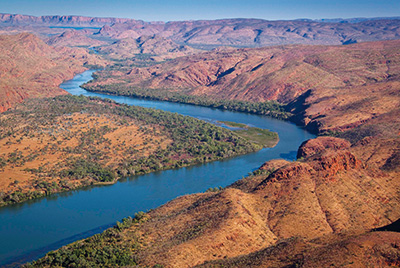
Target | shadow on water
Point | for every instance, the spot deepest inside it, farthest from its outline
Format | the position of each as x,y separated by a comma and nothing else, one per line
393,227
290,155
41,252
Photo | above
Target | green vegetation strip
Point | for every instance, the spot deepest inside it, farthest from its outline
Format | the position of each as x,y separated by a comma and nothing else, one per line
260,136
108,249
270,108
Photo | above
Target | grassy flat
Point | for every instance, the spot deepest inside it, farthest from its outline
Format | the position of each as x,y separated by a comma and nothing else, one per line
263,137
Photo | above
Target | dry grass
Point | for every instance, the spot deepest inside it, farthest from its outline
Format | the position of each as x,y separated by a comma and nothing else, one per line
49,143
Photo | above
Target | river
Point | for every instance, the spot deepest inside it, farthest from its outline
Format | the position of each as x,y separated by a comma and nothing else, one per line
30,229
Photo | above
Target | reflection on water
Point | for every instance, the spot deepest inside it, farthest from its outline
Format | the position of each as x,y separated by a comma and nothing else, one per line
31,229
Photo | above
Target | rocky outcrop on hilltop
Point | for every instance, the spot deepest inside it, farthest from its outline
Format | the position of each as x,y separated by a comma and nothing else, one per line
30,68
315,146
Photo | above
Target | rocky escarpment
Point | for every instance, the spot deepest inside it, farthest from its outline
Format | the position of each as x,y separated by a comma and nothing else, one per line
316,146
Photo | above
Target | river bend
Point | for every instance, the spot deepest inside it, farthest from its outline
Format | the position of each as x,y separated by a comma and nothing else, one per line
30,229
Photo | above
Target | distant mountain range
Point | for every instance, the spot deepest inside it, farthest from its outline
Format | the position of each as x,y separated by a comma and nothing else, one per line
229,32
18,20
71,20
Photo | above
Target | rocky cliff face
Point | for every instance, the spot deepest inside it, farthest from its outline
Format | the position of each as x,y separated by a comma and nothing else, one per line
30,68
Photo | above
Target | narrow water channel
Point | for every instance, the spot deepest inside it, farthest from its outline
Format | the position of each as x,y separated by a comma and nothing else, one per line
30,229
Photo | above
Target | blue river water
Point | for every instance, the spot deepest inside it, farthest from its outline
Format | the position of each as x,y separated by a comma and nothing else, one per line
30,229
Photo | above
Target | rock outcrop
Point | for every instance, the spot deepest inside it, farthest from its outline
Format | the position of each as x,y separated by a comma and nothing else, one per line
315,146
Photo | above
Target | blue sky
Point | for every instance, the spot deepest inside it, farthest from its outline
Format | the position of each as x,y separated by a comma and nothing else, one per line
167,10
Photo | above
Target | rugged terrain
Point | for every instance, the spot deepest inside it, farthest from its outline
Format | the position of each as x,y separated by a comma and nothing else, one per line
31,69
327,88
74,38
287,213
319,211
257,32
151,48
226,32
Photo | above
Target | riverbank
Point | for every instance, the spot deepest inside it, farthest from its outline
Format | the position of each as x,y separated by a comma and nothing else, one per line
97,142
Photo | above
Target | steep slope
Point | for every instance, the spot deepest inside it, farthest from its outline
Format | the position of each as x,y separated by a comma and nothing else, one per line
32,69
330,192
345,250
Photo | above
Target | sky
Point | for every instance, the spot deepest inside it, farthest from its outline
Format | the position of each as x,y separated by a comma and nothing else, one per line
173,10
